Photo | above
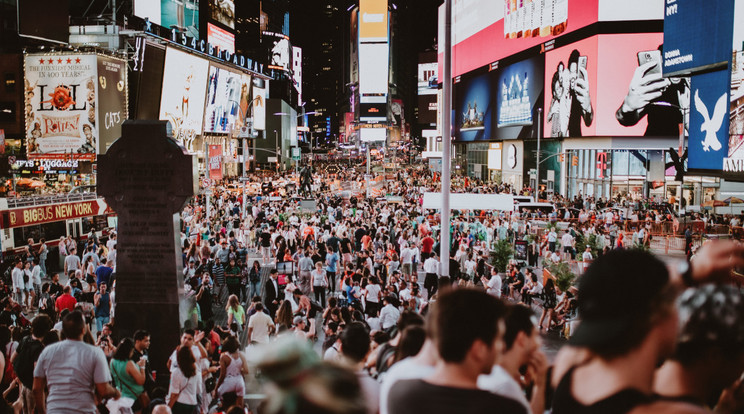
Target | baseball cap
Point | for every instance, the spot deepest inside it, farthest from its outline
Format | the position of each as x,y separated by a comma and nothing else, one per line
616,295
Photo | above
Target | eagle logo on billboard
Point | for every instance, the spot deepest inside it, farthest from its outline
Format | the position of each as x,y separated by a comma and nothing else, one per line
711,126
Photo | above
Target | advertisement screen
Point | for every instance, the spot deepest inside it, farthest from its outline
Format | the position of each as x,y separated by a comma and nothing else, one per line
736,128
220,38
223,100
147,78
633,98
473,108
571,90
373,17
167,13
280,54
246,83
708,145
215,162
372,134
519,93
60,101
259,108
112,100
373,68
692,43
184,91
488,30
373,111
427,78
223,12
427,109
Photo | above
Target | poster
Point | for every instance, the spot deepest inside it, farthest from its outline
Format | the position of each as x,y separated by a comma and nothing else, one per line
519,92
112,100
223,100
259,108
60,103
734,162
708,142
223,11
571,90
215,162
246,82
184,91
473,109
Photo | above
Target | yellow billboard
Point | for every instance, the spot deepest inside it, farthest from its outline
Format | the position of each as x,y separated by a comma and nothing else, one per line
373,21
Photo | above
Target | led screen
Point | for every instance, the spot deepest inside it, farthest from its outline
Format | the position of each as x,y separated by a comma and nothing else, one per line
169,13
223,100
220,38
223,11
184,91
373,68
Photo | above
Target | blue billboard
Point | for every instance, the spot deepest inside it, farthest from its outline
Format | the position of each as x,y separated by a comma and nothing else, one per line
709,120
473,108
697,35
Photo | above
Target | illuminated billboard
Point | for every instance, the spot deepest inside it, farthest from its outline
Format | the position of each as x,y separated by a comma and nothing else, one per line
259,108
184,91
223,12
60,101
220,38
372,134
473,108
112,100
280,51
373,68
734,162
373,21
223,100
519,91
427,78
182,14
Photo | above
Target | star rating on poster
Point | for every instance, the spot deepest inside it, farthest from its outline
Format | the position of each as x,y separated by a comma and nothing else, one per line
59,61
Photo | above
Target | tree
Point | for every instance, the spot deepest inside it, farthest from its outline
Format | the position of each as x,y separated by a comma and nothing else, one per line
501,254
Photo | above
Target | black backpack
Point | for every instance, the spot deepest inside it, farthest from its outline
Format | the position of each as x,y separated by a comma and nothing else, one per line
28,352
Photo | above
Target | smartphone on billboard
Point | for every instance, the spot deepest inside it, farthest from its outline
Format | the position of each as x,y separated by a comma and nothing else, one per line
582,64
650,56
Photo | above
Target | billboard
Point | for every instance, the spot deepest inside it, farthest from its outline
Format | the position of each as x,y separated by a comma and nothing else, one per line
297,72
223,12
146,80
482,34
427,109
259,108
708,143
220,38
60,101
223,100
373,21
520,89
372,134
570,99
215,162
633,98
373,68
696,35
373,112
112,100
168,13
427,78
473,108
246,84
280,52
184,91
735,160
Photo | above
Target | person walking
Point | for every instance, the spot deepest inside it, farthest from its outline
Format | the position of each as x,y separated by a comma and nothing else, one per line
185,384
129,377
102,302
233,367
319,283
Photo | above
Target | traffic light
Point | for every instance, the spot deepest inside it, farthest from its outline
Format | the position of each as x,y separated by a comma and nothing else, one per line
562,157
575,160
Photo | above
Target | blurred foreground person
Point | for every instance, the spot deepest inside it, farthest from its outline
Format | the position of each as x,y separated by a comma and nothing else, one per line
303,384
709,358
624,333
468,347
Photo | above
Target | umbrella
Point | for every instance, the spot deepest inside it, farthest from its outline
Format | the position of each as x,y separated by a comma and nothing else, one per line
714,203
731,201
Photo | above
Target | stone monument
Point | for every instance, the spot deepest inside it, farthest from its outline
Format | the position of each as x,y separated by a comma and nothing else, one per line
147,177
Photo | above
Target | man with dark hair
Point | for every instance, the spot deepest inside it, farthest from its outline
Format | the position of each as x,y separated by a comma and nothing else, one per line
25,356
272,292
468,347
141,346
74,372
354,348
623,335
522,348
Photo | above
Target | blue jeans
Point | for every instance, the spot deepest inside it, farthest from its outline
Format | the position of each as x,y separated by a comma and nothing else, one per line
100,321
255,290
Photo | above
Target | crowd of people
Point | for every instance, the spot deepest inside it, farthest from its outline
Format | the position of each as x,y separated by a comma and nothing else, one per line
345,308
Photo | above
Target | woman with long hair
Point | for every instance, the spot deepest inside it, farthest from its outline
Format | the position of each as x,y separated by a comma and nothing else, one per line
319,283
235,312
129,377
185,384
233,367
284,316
549,302
254,279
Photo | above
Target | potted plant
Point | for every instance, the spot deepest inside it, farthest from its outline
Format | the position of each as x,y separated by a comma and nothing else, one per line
501,253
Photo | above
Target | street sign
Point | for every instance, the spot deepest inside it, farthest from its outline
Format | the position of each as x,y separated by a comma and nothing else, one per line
245,179
332,169
206,182
271,159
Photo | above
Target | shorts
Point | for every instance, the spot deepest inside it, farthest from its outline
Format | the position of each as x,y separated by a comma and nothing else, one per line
234,384
567,249
407,268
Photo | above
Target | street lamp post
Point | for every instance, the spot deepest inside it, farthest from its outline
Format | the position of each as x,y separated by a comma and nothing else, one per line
444,253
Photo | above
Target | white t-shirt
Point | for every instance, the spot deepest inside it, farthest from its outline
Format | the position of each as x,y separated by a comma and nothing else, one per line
493,287
332,353
72,369
186,388
567,240
406,256
261,324
501,383
174,362
373,292
403,370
